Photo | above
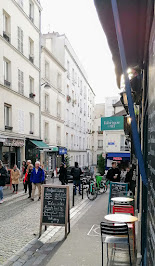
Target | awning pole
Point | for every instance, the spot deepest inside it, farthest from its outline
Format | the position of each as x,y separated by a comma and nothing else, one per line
135,133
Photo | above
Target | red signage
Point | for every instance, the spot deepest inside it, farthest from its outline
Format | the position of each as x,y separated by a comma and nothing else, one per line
117,158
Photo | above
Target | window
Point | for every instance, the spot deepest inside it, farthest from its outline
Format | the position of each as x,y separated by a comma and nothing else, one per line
20,39
83,160
46,102
100,144
31,11
31,85
20,82
81,87
31,50
46,132
6,26
99,128
21,3
68,69
80,160
58,135
46,70
59,81
7,72
31,123
83,143
78,82
66,139
8,116
59,109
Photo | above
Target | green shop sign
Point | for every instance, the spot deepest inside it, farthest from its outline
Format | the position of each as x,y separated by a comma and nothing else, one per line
112,123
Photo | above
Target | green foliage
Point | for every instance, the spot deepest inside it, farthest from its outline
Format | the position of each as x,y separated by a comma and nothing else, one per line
101,164
67,160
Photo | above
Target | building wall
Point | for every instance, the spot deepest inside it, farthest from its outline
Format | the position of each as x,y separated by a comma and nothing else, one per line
97,133
55,95
109,101
20,102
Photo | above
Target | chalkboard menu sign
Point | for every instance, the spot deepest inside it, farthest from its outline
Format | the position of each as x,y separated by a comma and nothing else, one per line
55,206
116,189
151,154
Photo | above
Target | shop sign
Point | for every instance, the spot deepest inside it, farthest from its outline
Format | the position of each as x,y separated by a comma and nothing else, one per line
62,151
117,158
13,142
112,123
111,143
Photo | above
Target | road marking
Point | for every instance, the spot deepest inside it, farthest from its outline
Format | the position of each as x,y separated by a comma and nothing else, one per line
94,230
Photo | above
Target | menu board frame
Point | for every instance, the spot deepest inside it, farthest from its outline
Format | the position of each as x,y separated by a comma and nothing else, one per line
67,210
118,185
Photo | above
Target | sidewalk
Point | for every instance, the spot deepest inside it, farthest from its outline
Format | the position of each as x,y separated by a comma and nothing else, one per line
82,246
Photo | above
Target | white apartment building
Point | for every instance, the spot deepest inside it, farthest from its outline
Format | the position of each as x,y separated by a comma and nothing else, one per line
109,102
52,103
97,133
79,101
19,77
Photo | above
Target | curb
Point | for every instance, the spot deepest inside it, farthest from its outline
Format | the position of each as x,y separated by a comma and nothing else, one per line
37,250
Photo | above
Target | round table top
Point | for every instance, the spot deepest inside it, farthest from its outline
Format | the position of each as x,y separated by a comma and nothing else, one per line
122,199
121,218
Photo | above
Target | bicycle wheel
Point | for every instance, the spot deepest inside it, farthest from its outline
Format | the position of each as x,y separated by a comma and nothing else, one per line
102,187
91,193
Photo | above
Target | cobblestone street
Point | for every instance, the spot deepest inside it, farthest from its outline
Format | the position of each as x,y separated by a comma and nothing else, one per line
19,222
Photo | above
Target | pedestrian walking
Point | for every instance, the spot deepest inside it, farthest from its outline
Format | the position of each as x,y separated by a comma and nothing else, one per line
15,175
76,173
3,176
62,174
113,173
27,180
65,174
37,178
23,170
128,177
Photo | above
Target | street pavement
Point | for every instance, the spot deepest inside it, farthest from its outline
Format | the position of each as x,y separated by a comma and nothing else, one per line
19,220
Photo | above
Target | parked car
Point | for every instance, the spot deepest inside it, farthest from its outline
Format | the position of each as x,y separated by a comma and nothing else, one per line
69,176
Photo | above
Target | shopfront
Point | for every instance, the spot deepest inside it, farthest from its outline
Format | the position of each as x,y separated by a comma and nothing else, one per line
122,159
10,151
34,148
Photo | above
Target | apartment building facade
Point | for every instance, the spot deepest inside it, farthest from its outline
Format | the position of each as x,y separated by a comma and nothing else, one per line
52,105
19,77
97,133
79,102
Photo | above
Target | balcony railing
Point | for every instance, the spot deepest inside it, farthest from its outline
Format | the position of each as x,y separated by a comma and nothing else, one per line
124,148
7,83
31,58
100,147
6,36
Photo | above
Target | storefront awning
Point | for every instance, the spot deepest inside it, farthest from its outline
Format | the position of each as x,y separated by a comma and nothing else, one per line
40,144
118,155
135,19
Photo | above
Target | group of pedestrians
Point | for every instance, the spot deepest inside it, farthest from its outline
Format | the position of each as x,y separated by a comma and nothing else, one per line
76,172
33,177
114,175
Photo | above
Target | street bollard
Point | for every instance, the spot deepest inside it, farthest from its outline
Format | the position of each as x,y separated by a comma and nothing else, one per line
73,194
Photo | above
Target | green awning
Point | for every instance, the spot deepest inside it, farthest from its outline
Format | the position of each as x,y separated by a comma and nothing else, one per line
40,144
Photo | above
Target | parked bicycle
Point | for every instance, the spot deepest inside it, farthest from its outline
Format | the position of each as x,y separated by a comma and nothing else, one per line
97,186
